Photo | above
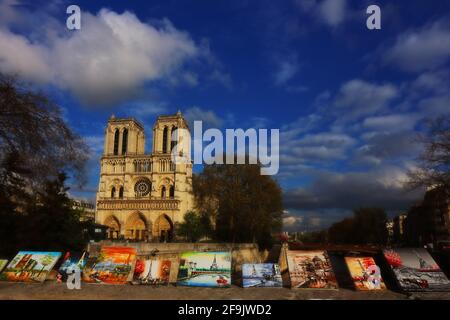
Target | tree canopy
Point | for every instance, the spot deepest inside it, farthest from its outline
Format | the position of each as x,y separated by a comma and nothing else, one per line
367,226
37,150
433,169
245,205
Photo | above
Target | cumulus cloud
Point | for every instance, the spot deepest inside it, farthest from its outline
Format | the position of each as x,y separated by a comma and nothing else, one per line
210,118
332,12
286,70
331,190
435,105
328,12
358,98
421,50
379,148
314,147
391,122
108,60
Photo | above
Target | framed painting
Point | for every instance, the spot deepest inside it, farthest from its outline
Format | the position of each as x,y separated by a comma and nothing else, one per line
261,275
365,273
310,269
152,271
416,270
205,269
114,265
30,266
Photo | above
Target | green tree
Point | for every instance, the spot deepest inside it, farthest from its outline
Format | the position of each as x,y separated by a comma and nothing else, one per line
194,226
245,205
51,222
36,145
367,226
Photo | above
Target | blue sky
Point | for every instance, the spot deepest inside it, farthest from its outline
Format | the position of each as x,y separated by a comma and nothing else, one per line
348,101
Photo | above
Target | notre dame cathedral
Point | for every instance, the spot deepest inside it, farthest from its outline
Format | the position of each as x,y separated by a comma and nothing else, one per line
141,196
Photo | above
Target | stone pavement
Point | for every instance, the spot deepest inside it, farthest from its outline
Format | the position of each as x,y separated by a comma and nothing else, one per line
52,290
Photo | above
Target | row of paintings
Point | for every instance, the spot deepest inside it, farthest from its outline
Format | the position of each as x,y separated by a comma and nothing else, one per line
414,269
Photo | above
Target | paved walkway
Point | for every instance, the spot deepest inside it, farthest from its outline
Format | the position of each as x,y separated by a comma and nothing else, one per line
53,290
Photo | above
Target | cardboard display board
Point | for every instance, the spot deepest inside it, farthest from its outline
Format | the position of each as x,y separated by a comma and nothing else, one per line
310,269
416,270
261,275
30,266
205,269
114,265
365,273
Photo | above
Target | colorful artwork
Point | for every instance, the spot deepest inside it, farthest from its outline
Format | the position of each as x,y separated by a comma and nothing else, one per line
310,269
416,270
114,265
152,271
30,266
365,273
261,275
205,269
72,261
3,264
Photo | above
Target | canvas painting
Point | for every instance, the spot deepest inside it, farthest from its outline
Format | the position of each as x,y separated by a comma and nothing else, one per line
261,275
30,266
3,264
152,271
114,265
205,269
310,269
365,273
416,270
72,261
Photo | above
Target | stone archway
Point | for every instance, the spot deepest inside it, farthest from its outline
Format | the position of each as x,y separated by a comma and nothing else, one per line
163,229
136,227
113,225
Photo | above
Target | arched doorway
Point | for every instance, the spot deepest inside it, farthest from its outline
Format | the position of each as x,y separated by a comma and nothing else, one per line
136,227
163,229
113,225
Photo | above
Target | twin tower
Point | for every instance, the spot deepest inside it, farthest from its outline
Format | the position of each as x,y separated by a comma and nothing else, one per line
141,197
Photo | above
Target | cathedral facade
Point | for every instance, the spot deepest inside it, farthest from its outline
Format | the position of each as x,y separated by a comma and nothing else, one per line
142,197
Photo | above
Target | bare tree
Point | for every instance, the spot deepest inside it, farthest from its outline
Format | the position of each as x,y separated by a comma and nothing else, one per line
32,128
433,168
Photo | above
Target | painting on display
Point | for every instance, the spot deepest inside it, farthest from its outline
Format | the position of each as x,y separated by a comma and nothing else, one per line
152,271
30,266
72,262
205,269
3,264
365,273
261,275
114,265
310,269
416,270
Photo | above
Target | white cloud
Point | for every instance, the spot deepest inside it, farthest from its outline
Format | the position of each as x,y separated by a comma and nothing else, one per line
107,61
286,70
391,123
329,12
357,98
209,117
421,50
332,12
